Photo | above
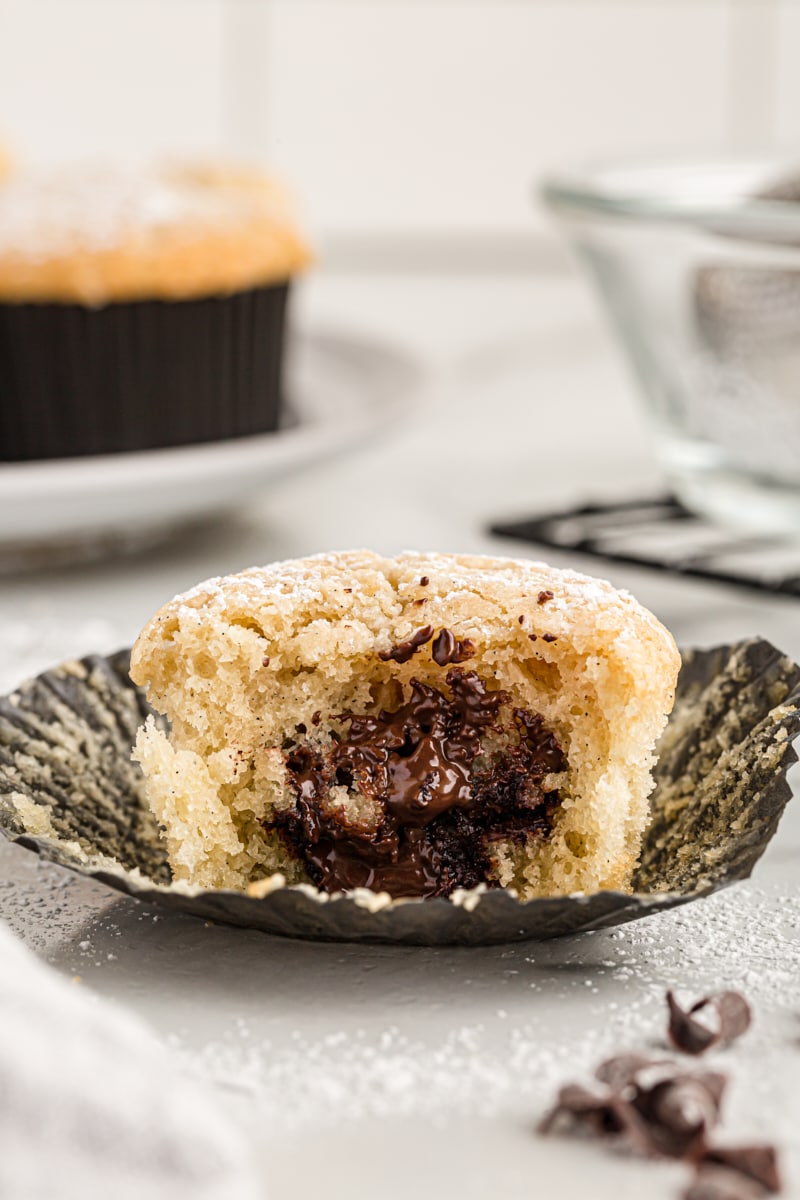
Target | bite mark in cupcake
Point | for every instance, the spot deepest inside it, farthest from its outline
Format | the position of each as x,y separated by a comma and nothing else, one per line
400,770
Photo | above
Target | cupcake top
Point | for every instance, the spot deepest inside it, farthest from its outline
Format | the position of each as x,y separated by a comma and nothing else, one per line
102,234
5,161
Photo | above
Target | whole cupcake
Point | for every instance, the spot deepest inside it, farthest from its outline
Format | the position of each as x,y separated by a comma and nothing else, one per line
141,310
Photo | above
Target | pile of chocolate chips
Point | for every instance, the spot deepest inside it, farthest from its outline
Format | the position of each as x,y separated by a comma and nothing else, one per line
664,1110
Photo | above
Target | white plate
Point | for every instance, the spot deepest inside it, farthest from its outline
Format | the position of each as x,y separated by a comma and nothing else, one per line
341,392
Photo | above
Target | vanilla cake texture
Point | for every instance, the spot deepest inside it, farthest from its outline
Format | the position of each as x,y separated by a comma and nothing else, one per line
413,725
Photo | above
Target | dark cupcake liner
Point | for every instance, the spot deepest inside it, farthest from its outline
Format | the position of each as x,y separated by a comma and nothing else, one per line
70,791
139,375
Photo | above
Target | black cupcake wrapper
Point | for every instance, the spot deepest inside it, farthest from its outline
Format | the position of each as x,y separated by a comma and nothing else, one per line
139,375
65,759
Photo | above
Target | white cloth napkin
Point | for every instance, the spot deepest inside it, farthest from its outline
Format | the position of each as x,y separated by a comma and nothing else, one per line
93,1105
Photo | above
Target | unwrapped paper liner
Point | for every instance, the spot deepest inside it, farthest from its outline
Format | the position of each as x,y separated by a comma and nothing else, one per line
70,790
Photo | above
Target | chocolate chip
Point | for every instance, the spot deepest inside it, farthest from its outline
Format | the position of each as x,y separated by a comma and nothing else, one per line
674,1109
521,619
403,651
680,1112
720,1183
421,600
662,1110
531,637
424,581
549,637
444,645
579,1109
465,649
265,661
448,649
349,591
621,1070
730,1018
543,597
315,719
756,1162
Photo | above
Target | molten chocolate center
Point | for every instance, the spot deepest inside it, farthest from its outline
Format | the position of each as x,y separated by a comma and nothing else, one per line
443,798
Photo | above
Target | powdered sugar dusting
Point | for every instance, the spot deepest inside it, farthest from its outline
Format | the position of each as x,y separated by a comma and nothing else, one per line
305,576
558,1009
96,208
297,1037
294,583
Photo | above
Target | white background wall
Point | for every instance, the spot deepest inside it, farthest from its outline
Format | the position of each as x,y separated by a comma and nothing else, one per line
400,120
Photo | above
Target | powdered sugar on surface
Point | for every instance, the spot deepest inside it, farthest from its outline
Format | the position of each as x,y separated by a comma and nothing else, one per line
306,1039
560,1008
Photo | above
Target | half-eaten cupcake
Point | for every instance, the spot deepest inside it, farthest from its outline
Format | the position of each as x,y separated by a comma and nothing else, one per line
412,725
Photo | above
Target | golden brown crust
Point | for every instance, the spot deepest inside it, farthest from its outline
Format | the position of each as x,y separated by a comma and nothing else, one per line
238,663
6,162
93,237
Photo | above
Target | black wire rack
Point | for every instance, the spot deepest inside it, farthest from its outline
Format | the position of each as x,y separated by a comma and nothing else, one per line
660,534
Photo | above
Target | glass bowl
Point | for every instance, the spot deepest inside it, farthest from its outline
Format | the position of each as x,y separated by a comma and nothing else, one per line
698,264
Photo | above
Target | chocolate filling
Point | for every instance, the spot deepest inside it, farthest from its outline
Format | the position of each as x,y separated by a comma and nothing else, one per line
442,798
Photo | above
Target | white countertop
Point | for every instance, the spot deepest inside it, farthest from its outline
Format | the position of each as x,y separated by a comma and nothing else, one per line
385,1072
